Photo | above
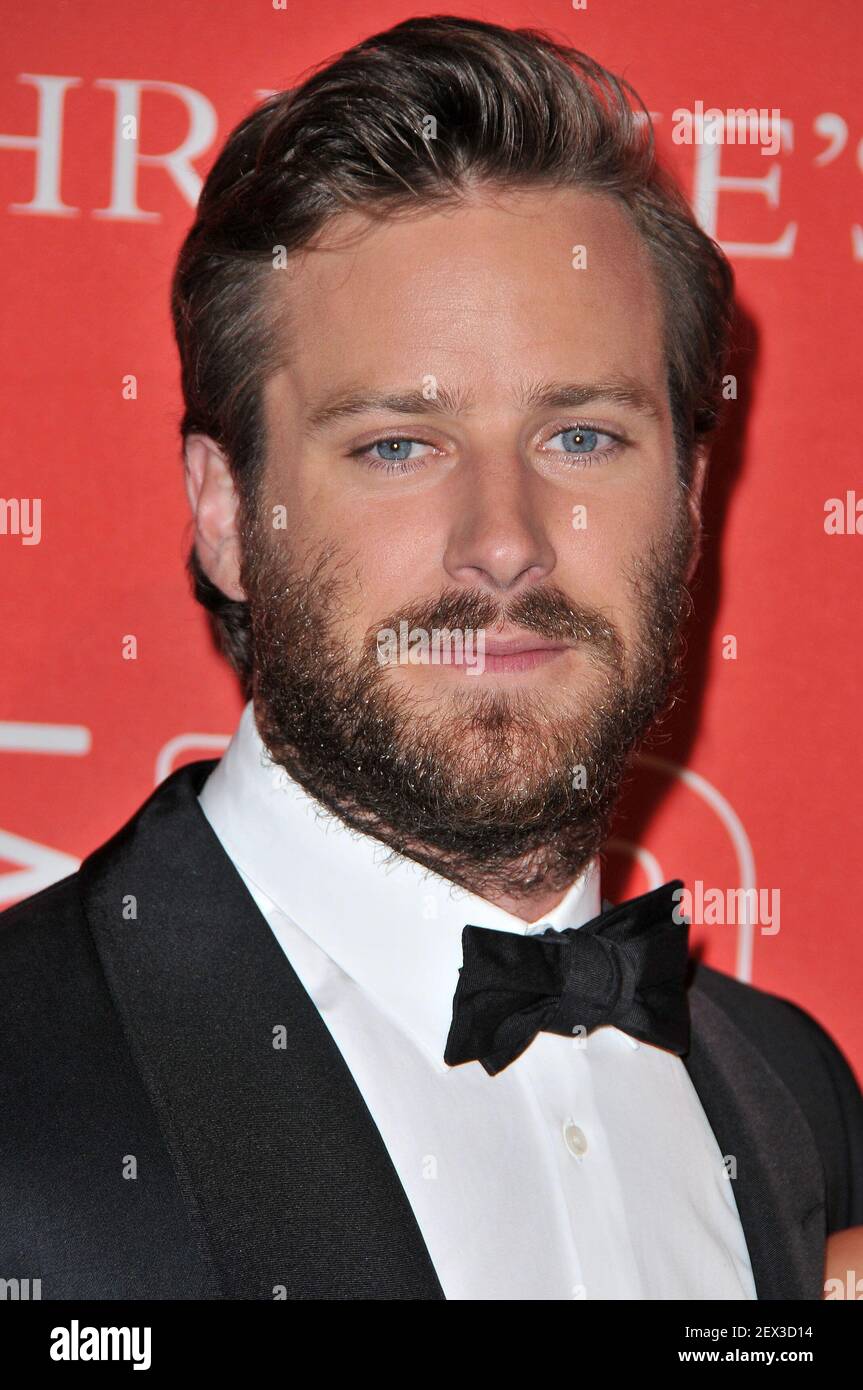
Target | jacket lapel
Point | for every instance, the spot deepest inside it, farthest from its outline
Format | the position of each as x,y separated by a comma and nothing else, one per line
274,1146
756,1120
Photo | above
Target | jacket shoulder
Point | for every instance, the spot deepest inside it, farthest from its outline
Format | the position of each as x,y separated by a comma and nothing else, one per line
75,1111
816,1072
50,979
46,919
36,927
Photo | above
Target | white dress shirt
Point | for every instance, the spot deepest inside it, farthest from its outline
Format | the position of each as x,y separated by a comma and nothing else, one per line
582,1170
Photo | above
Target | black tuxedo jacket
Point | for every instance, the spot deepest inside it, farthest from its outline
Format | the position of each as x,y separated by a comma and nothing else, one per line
154,1143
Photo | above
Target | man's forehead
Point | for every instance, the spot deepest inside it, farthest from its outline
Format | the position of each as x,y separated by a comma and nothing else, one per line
460,300
530,235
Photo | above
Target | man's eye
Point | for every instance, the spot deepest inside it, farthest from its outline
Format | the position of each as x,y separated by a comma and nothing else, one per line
392,455
582,440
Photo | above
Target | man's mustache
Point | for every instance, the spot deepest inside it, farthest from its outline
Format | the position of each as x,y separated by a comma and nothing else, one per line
547,612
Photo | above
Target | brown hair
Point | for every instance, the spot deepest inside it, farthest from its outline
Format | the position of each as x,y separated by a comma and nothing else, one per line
409,118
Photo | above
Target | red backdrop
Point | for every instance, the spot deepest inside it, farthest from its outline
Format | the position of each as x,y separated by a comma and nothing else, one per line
757,783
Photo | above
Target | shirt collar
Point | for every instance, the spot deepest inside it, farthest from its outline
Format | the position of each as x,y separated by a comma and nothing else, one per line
389,923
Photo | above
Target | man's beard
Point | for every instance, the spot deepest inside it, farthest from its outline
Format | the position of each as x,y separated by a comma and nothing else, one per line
503,791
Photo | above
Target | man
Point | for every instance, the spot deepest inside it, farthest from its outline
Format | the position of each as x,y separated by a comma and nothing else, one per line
345,1015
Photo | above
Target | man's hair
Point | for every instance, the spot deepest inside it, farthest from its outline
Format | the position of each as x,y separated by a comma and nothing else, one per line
413,118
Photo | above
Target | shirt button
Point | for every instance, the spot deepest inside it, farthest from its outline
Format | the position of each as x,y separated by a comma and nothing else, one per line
538,928
574,1139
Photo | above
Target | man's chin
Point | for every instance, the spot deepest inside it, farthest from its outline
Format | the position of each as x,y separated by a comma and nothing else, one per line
493,757
485,774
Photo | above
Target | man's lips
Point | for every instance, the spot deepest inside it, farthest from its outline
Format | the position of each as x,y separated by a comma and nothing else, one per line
511,646
512,651
525,659
522,652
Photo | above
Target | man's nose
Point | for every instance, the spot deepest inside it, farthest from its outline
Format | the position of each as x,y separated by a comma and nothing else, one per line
499,538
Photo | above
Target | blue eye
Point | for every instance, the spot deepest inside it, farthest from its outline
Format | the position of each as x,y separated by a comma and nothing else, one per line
393,455
394,450
585,447
579,439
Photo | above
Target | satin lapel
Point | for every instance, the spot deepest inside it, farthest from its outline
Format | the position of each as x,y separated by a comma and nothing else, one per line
756,1120
274,1146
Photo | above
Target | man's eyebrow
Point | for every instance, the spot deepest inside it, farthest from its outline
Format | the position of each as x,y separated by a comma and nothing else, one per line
542,395
572,395
417,402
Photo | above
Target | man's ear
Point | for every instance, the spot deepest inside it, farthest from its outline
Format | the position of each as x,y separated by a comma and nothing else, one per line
695,493
214,501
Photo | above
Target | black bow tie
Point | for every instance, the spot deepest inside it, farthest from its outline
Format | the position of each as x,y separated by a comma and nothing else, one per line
626,967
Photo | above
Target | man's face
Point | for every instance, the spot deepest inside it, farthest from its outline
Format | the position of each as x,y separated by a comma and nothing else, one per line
525,484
